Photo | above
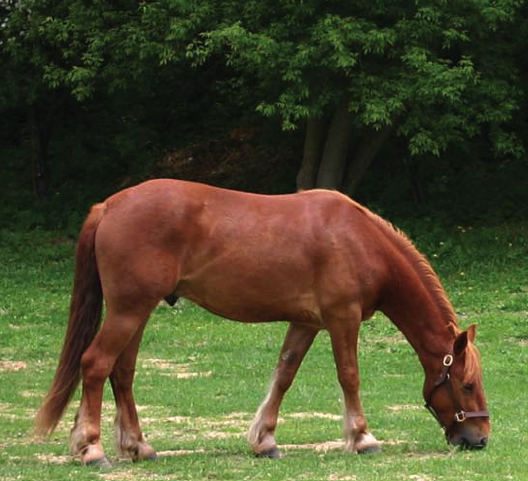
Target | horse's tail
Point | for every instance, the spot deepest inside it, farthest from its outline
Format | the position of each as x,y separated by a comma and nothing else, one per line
83,324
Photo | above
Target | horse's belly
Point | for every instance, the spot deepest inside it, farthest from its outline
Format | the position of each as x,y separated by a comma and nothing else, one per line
247,302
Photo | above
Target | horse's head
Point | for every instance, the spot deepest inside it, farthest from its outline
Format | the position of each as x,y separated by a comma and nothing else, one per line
455,395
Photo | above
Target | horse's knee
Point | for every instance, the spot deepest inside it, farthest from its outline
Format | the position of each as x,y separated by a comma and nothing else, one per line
95,368
348,378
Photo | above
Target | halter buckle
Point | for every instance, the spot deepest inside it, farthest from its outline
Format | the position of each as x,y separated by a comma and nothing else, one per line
460,417
448,360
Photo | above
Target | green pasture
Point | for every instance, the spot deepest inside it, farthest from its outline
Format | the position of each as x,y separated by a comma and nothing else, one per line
200,378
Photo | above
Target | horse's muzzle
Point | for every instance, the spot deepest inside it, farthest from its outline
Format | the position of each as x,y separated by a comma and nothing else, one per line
471,444
480,445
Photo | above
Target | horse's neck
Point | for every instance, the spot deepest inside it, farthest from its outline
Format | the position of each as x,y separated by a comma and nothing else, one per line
423,314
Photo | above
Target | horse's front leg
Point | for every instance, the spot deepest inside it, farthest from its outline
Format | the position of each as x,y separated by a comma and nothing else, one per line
261,435
130,441
343,329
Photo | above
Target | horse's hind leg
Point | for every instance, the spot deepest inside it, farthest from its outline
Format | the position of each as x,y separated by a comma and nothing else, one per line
343,329
118,330
129,438
261,435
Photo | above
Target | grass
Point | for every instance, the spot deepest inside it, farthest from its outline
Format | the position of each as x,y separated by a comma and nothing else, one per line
200,378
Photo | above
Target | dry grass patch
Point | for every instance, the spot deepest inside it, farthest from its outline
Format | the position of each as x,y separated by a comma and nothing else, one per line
405,407
181,452
341,477
173,369
187,428
319,415
52,459
12,366
119,476
319,447
30,394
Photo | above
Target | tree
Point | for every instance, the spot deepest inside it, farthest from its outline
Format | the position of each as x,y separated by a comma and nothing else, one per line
63,60
358,72
24,54
352,74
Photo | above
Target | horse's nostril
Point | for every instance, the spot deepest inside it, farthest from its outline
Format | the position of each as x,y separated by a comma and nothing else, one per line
471,445
480,445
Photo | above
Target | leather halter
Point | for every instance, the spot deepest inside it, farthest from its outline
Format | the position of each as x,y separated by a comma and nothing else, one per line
460,414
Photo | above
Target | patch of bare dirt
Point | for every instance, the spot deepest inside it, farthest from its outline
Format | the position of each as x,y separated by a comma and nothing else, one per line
191,428
320,415
12,366
174,369
405,407
397,442
30,394
397,338
187,375
48,459
159,364
319,447
239,160
119,476
341,477
206,423
181,452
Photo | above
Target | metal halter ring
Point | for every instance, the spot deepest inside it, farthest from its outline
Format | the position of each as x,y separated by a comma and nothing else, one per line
448,360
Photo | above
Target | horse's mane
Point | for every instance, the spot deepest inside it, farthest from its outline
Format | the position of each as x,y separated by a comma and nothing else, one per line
472,364
420,264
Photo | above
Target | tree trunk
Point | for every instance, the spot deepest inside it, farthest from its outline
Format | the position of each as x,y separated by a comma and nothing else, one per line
333,160
413,172
313,141
367,150
40,131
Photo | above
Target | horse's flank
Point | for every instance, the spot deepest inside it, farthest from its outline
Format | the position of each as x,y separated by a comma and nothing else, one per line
277,250
289,257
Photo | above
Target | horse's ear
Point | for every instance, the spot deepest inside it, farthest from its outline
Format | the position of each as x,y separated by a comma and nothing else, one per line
461,343
464,338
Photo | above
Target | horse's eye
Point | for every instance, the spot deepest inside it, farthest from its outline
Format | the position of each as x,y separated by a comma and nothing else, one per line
468,387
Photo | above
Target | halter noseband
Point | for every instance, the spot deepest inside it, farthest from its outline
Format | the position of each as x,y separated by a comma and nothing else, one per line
460,414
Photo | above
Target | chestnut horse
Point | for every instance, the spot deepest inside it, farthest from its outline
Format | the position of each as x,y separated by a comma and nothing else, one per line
316,259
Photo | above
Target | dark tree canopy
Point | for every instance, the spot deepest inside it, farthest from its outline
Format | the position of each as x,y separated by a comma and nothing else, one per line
102,87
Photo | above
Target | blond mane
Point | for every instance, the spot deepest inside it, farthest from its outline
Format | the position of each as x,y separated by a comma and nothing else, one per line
420,264
472,367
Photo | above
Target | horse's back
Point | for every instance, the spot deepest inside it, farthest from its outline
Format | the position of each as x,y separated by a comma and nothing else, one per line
244,256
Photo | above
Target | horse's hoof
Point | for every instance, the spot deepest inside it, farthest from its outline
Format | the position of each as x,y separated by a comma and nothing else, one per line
150,457
372,449
272,453
102,463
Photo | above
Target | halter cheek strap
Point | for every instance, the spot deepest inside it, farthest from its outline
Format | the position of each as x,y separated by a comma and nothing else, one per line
460,414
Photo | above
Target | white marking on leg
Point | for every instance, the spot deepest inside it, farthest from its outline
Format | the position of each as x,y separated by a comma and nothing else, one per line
78,440
254,435
79,444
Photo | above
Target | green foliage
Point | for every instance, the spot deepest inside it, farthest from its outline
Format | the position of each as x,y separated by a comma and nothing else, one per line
434,67
109,86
